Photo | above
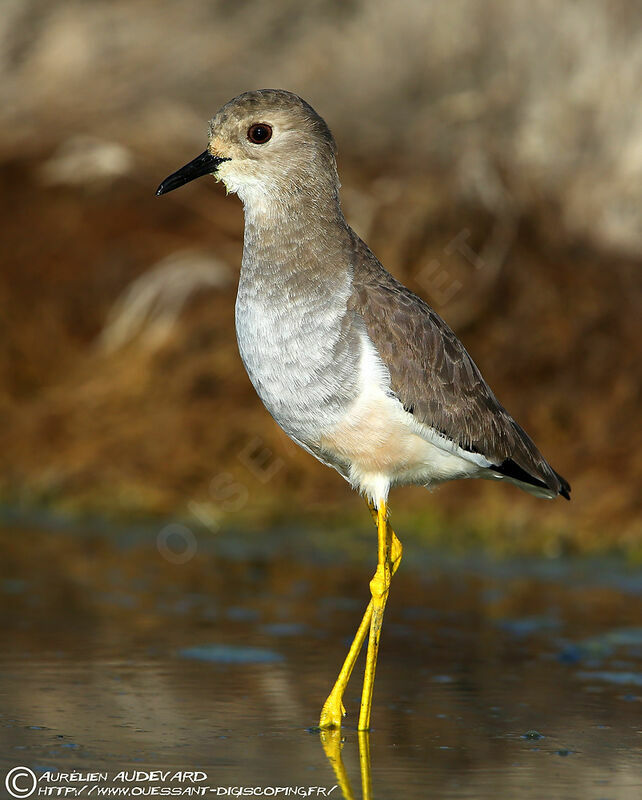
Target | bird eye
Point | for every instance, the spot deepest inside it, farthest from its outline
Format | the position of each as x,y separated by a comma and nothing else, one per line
259,133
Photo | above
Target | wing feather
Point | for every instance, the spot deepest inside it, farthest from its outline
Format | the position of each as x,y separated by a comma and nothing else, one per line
436,380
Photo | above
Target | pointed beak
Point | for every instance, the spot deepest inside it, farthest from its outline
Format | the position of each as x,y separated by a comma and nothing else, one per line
205,164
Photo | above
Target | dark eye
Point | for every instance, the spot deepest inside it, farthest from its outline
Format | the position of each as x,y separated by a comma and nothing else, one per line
259,133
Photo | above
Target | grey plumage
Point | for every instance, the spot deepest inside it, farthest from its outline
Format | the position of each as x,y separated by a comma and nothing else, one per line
433,375
354,366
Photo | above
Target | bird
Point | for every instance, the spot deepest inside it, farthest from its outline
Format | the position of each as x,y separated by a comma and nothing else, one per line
355,368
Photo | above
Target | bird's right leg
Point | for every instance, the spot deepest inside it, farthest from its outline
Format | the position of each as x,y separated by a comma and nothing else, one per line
333,709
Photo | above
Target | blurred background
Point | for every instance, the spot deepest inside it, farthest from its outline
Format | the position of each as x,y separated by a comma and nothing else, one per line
178,580
490,154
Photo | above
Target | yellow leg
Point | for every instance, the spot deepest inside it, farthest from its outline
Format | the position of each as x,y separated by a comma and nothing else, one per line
333,709
379,587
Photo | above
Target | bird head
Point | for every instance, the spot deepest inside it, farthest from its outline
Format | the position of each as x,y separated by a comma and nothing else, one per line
265,144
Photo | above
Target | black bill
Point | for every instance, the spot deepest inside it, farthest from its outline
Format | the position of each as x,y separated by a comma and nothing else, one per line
205,164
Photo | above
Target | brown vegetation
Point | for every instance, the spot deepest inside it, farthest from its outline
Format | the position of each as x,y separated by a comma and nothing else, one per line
146,426
490,158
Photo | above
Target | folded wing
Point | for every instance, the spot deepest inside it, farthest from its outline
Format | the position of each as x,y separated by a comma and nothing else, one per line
438,382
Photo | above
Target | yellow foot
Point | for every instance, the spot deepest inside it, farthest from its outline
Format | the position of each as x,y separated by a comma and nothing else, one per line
332,712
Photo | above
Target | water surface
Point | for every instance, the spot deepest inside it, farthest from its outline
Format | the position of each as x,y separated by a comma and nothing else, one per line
496,679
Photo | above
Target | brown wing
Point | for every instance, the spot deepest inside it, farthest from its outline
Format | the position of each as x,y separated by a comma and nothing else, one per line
435,378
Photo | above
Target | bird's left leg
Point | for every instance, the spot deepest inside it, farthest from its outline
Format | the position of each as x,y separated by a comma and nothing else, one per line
379,587
333,709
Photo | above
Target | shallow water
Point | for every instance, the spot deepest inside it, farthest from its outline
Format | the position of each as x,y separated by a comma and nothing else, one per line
495,680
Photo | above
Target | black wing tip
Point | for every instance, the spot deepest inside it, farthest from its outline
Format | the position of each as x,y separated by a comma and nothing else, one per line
511,469
565,486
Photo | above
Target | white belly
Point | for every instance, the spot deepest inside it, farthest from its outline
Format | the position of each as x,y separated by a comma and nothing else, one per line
325,385
384,445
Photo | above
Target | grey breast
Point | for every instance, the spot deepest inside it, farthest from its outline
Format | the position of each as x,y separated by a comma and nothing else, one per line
297,338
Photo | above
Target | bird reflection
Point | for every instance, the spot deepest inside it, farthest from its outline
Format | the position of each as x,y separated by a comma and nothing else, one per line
333,742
